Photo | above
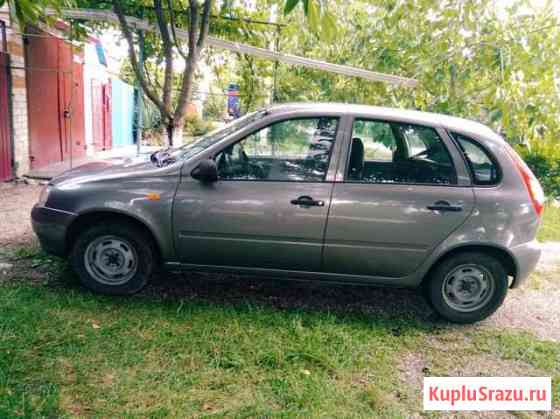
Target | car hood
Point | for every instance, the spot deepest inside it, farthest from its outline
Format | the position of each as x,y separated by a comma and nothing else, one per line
106,169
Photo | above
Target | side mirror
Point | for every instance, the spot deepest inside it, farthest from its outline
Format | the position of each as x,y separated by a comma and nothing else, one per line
206,171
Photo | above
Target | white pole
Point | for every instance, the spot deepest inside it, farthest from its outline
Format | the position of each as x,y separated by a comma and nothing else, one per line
141,24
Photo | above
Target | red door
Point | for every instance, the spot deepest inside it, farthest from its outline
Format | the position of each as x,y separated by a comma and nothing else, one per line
56,102
5,138
101,115
42,55
107,115
71,103
75,105
97,115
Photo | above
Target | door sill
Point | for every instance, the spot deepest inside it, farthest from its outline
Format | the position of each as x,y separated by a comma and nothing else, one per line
410,281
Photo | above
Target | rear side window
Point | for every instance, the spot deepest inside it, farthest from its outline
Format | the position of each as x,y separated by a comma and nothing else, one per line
392,152
483,167
378,139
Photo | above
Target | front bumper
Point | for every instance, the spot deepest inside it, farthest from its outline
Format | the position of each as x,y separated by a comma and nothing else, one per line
51,225
526,258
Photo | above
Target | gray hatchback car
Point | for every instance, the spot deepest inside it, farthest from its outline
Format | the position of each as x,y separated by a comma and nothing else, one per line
333,192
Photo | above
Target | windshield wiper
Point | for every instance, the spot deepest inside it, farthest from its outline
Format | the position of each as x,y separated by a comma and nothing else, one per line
162,157
159,157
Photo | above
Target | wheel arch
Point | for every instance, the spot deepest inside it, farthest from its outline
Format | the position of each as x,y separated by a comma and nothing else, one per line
86,219
501,254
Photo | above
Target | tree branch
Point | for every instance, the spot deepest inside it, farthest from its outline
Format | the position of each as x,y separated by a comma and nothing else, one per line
193,8
173,22
153,81
168,54
190,64
205,24
117,8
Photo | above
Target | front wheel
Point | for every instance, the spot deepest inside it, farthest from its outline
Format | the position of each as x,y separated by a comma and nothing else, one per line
115,259
467,287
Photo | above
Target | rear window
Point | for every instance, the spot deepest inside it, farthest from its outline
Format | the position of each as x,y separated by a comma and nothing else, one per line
483,166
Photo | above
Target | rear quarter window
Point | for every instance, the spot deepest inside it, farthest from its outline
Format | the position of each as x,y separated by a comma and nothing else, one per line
483,166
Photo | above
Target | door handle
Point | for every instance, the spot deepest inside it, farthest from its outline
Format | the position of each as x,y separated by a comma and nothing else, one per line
307,201
445,206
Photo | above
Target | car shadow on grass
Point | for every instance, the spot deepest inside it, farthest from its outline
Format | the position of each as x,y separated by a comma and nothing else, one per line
365,302
288,295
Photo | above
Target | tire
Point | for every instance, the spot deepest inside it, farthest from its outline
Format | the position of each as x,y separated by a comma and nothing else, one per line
114,259
467,287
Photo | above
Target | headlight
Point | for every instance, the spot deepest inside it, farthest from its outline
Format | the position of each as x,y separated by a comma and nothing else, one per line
44,195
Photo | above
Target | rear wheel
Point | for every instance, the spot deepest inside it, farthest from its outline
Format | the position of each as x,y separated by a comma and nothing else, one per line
116,259
467,287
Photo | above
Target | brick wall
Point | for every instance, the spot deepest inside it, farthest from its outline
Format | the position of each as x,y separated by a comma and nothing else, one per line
19,94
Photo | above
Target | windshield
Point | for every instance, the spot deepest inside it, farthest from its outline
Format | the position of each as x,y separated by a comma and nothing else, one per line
189,150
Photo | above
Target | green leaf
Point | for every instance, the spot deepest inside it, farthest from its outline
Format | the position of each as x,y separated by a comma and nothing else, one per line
328,26
26,11
290,4
313,15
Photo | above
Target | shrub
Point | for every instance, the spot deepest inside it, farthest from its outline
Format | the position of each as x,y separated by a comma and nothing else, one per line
196,126
543,157
215,107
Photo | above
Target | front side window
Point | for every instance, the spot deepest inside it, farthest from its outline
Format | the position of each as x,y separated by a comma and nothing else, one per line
388,152
189,150
484,170
291,150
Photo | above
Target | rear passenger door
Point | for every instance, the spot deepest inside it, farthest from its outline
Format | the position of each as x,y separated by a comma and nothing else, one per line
403,190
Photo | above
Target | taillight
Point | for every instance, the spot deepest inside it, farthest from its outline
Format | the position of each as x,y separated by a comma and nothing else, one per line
531,182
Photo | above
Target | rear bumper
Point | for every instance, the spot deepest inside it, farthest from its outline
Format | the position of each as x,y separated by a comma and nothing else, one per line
526,257
50,226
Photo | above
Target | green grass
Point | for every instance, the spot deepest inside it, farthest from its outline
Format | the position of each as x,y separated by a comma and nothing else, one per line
221,351
66,351
550,228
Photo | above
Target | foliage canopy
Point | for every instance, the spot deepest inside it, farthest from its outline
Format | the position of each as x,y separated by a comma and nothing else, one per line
496,64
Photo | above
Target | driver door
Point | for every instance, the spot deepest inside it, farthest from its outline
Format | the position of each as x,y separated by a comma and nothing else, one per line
269,207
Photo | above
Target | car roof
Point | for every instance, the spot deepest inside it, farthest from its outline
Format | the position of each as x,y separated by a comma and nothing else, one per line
461,125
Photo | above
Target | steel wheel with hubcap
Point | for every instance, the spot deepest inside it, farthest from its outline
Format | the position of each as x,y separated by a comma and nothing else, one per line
116,259
467,287
111,260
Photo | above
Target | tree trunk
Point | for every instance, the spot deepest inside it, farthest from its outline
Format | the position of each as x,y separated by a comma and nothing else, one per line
173,134
170,129
177,136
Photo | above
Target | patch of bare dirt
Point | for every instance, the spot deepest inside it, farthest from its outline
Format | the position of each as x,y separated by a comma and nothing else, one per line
445,355
534,311
550,257
535,306
16,202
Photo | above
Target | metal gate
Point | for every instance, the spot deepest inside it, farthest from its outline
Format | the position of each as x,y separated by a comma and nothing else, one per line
55,100
5,135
